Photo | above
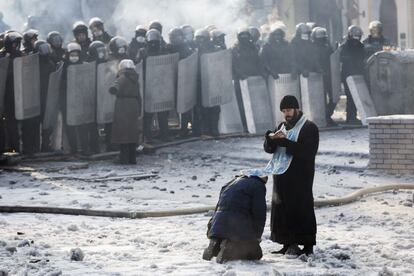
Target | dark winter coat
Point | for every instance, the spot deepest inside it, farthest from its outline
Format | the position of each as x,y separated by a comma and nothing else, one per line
241,210
373,45
127,107
277,58
84,48
304,57
246,61
104,38
182,49
58,54
134,49
352,58
293,218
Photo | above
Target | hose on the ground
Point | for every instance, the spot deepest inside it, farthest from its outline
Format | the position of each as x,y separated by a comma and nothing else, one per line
189,211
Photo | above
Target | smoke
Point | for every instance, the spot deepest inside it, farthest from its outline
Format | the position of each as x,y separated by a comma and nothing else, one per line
122,16
227,15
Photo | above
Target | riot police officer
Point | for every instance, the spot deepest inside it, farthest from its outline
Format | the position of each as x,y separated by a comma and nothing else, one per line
352,58
55,41
80,32
375,40
189,36
205,118
324,51
255,33
30,127
178,45
9,133
219,39
96,26
118,48
29,39
46,67
74,57
276,54
137,43
304,52
97,52
246,63
154,48
156,25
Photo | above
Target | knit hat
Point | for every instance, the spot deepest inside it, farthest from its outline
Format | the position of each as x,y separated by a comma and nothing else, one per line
289,101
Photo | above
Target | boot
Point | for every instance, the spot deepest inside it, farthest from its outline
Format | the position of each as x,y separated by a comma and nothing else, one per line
281,251
307,250
224,254
212,250
293,251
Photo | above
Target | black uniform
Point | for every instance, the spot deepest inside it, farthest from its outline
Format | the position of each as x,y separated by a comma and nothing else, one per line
246,63
324,51
134,49
276,57
30,127
83,132
184,51
105,38
47,66
304,57
352,59
162,116
205,118
9,136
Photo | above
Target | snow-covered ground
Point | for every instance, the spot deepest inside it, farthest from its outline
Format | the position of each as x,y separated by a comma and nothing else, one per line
374,236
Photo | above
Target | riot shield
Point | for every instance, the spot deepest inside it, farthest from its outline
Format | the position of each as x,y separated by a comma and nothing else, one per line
257,107
336,75
284,85
216,78
187,83
160,83
81,94
362,98
52,98
230,120
140,70
26,87
4,65
313,98
105,104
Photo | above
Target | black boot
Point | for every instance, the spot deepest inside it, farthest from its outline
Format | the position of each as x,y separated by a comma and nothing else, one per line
307,250
281,251
212,250
293,251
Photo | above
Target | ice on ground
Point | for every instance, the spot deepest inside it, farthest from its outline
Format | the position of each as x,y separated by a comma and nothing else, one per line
371,237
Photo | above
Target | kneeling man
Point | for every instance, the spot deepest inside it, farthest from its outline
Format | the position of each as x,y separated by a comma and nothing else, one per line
237,225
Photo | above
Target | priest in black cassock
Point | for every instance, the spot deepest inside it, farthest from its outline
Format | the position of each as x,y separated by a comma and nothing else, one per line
294,145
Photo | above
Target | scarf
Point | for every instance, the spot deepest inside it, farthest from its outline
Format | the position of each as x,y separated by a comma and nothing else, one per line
281,160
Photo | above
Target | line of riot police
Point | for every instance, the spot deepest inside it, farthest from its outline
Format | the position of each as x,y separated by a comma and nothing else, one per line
74,81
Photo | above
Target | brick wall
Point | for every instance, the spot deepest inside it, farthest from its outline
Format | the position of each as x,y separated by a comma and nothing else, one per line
391,143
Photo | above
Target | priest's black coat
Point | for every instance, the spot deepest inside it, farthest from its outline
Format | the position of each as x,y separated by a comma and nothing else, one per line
293,218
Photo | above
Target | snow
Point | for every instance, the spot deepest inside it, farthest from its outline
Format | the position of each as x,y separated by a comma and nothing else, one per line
373,236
